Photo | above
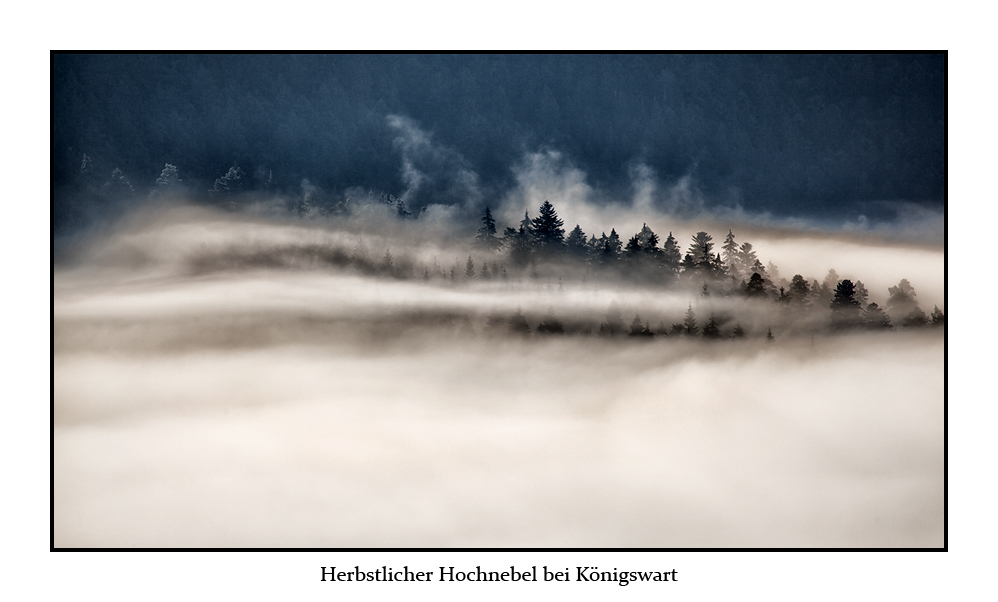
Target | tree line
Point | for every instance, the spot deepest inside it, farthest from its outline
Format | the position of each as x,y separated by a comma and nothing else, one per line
734,270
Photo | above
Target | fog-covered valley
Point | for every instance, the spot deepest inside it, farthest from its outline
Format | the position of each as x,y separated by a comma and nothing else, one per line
227,379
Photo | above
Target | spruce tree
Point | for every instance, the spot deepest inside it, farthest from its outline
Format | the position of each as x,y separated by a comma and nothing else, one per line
772,271
549,235
875,318
388,262
711,331
168,178
746,259
649,244
701,249
862,295
576,243
486,239
469,269
614,324
902,298
633,249
937,316
671,255
799,289
690,323
230,183
717,266
611,248
845,308
756,286
915,318
638,329
831,280
614,242
730,248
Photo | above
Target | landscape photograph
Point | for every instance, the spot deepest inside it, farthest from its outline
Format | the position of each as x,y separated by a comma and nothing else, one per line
493,301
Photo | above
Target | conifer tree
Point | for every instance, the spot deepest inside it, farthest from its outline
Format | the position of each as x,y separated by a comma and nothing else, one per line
902,298
633,249
550,324
730,249
521,244
937,316
649,244
549,235
772,271
118,185
875,318
746,259
518,324
831,280
739,331
168,178
611,248
230,183
821,295
614,324
509,237
690,323
638,329
711,331
576,243
845,308
527,227
594,248
701,250
862,295
671,255
469,269
614,242
756,286
716,265
915,318
799,289
486,239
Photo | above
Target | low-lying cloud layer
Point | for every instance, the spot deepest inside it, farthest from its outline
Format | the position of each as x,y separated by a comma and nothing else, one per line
225,380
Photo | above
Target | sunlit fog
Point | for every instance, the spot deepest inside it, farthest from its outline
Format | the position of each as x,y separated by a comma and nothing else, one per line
251,377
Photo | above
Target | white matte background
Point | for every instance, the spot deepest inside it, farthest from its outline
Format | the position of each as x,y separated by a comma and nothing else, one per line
32,572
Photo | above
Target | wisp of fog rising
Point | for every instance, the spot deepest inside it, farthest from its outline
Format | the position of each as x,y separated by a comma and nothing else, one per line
225,378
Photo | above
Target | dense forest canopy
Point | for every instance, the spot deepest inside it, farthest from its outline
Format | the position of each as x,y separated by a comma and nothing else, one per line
805,135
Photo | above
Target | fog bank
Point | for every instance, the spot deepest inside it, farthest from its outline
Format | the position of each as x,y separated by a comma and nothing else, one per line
227,381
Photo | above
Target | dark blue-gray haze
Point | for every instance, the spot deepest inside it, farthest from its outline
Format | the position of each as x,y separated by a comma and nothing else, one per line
824,137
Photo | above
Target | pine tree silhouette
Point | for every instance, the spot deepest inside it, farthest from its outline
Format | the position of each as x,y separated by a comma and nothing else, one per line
711,331
690,323
549,236
486,239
